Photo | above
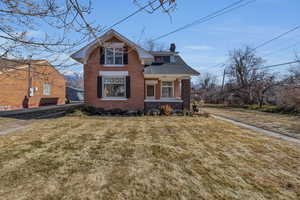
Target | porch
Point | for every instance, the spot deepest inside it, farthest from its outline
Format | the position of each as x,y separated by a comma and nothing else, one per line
167,90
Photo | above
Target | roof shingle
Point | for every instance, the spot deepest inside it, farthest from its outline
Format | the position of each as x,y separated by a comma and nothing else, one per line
178,67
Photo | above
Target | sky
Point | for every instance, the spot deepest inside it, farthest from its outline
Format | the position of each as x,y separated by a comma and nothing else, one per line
205,45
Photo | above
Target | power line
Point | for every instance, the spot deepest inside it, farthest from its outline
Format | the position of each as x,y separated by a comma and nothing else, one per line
282,49
281,64
211,16
91,30
131,15
269,41
270,66
277,37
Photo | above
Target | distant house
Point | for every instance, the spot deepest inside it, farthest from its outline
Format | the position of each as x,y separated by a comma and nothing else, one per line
120,74
27,84
74,94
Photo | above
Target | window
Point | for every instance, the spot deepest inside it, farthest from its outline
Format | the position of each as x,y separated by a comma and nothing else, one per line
167,89
47,89
114,56
114,87
162,59
150,91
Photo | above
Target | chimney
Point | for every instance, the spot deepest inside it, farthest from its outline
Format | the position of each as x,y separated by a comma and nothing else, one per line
173,47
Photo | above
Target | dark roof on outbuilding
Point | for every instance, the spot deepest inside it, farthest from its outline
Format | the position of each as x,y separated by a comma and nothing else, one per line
178,67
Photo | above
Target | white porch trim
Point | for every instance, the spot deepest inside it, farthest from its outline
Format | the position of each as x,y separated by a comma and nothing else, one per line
164,100
168,76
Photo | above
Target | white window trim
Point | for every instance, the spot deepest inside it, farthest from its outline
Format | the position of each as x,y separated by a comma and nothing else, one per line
113,73
48,89
114,57
150,97
164,100
113,98
161,87
112,65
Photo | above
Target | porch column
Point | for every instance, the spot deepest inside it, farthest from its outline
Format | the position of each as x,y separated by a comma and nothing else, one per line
157,90
186,93
177,88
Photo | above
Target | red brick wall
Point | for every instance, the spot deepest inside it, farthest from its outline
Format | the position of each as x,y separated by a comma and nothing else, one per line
186,93
135,71
14,87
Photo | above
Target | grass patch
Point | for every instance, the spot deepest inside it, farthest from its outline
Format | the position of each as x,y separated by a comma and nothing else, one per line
146,158
285,124
263,108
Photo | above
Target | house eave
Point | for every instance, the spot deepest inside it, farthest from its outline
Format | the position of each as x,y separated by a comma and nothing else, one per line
162,76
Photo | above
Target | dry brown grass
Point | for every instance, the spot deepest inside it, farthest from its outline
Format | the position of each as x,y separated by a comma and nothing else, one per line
286,124
5,122
146,158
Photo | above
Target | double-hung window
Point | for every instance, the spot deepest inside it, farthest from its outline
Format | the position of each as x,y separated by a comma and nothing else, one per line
114,56
47,89
114,87
150,91
167,89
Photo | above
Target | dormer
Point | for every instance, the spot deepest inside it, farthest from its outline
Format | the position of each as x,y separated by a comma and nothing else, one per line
165,57
114,51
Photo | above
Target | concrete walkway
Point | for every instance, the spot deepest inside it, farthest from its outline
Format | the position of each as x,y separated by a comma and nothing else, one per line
254,128
38,109
22,124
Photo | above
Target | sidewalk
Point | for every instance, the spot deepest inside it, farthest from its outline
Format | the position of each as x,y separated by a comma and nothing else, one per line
38,109
254,128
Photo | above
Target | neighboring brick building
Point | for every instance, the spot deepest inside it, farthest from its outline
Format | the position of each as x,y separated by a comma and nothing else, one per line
120,74
23,88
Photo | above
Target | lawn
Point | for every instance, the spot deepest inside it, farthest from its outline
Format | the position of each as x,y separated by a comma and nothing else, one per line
281,123
5,120
146,158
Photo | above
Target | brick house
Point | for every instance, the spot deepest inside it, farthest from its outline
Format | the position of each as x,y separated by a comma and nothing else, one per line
120,74
30,84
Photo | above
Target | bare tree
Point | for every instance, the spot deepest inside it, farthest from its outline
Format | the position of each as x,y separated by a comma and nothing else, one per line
22,25
206,88
243,72
207,81
264,82
151,45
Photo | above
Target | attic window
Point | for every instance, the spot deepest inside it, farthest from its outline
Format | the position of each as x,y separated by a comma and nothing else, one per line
113,56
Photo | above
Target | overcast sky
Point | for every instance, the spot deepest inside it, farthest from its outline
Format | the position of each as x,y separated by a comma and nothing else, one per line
205,45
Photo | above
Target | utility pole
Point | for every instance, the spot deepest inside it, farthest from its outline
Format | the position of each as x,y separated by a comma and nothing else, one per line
223,81
29,76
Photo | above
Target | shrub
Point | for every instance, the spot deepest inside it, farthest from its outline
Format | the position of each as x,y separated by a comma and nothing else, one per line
115,111
166,110
89,110
195,108
186,112
140,113
153,112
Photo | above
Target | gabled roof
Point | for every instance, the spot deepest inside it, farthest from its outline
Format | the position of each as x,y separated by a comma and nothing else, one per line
178,67
11,65
84,52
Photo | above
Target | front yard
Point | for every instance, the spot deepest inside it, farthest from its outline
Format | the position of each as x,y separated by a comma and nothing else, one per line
280,123
146,158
